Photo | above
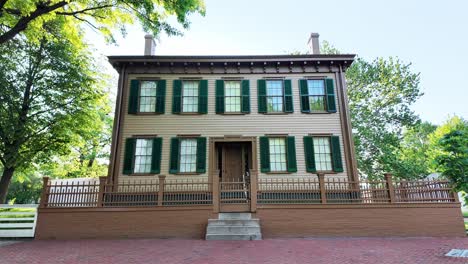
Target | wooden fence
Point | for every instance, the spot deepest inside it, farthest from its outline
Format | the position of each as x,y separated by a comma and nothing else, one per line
17,220
312,190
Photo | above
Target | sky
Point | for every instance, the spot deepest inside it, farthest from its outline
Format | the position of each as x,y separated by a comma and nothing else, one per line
432,35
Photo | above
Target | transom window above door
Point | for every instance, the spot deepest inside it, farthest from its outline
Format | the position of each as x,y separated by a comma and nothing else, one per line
232,93
275,95
317,95
190,96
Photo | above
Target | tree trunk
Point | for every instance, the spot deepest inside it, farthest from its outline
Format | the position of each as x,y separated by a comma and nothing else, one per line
4,183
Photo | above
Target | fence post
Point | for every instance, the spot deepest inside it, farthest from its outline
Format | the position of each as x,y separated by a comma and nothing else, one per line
162,182
45,192
323,193
253,190
215,190
390,189
102,187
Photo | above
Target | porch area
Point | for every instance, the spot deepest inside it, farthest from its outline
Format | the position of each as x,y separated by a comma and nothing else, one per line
286,207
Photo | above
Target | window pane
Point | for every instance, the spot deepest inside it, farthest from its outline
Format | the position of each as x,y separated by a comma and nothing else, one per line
190,96
147,100
317,102
188,155
274,96
143,152
322,154
316,87
232,94
277,154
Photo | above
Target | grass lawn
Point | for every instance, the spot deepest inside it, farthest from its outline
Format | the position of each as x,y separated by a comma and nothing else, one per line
465,214
466,225
22,210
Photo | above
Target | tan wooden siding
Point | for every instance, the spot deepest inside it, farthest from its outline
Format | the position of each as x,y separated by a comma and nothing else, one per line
209,125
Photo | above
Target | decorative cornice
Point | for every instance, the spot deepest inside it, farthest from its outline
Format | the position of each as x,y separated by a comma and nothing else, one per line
263,64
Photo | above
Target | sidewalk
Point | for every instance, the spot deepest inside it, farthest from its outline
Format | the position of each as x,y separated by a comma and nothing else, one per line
271,251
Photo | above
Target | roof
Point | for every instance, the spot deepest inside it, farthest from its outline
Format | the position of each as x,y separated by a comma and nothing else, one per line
338,59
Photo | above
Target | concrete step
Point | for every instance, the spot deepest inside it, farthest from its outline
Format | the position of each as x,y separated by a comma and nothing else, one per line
251,222
234,216
240,230
233,237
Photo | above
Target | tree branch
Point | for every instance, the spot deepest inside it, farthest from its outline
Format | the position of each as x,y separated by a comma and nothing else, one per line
23,22
83,11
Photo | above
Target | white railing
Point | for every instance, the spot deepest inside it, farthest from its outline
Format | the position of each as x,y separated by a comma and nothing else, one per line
18,223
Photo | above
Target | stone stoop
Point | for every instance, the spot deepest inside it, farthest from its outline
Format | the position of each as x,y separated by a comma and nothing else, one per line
233,226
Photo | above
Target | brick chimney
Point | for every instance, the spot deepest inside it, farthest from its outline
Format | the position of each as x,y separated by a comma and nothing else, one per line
150,45
314,44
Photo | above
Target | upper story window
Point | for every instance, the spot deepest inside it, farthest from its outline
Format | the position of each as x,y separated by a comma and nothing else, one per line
148,95
317,95
275,95
232,96
142,155
190,96
232,91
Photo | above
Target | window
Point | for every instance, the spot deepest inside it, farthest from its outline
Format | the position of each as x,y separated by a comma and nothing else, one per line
188,155
148,90
190,96
277,148
316,92
143,152
232,96
322,154
275,95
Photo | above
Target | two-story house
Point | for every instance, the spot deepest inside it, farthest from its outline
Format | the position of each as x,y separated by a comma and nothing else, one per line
201,144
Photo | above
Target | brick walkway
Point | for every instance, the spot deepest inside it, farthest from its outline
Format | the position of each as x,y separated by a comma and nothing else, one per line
317,250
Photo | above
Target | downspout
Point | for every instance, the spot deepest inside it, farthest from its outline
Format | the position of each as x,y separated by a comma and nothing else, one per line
116,127
348,129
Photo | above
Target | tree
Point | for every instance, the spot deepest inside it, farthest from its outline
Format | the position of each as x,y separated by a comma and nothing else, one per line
450,152
31,16
380,95
47,92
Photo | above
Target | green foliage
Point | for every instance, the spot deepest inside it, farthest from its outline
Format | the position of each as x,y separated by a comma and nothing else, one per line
31,17
49,98
380,95
451,152
25,187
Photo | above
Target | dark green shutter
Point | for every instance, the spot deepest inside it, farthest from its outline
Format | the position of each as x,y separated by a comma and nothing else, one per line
174,161
156,155
176,96
219,96
336,154
161,97
133,97
309,154
262,100
305,106
288,98
245,96
201,155
331,105
264,154
129,153
291,152
203,97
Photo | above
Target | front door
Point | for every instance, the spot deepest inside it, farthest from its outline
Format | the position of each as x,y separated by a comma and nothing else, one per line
234,184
